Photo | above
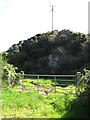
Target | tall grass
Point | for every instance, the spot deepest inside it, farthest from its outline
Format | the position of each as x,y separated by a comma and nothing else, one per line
31,104
28,104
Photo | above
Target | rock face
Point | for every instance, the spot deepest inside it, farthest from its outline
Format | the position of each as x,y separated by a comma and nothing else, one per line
53,61
56,52
57,57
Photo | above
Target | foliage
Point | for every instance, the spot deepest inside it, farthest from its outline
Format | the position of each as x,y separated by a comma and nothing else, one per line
84,80
32,55
79,107
62,103
28,104
1,66
10,75
33,105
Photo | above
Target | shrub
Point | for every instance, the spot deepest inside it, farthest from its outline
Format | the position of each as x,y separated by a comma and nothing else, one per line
10,75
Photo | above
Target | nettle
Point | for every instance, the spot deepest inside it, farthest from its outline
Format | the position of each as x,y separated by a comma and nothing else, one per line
10,75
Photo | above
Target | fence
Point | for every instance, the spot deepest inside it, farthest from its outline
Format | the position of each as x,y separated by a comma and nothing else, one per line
58,80
78,79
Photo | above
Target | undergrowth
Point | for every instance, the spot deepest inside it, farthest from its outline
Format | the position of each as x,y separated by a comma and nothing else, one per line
28,104
64,103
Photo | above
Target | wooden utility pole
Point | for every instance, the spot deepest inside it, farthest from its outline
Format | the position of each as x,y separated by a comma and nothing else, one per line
52,14
52,17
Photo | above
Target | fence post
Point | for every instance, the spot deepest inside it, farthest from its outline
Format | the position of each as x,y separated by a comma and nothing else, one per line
22,81
9,75
89,75
77,81
88,79
55,82
38,84
83,82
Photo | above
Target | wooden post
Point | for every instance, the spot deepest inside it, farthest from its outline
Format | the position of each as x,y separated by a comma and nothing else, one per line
22,82
38,84
77,80
89,80
55,82
83,83
9,75
89,75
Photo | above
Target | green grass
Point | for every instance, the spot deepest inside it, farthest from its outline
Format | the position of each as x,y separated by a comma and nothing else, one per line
80,107
46,84
1,70
26,104
31,104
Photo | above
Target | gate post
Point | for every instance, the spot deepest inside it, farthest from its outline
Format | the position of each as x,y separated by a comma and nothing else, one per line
78,80
89,76
38,84
55,83
22,81
9,81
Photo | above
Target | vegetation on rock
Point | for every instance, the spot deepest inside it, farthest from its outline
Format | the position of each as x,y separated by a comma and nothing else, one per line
69,52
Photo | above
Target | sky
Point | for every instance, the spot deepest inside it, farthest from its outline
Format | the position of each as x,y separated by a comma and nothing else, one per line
22,19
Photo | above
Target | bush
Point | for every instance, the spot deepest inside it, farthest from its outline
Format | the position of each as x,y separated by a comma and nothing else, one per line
10,75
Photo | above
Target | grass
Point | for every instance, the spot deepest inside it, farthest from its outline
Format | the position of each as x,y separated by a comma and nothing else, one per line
31,104
46,84
25,104
80,107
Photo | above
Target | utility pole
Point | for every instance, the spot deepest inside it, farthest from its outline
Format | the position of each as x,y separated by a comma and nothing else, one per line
52,15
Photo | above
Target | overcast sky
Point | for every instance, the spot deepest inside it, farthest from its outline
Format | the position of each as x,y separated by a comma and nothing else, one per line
22,19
